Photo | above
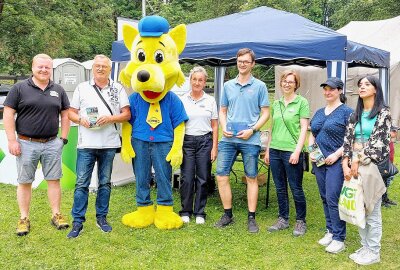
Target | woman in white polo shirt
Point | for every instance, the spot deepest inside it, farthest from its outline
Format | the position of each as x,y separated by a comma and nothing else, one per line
200,146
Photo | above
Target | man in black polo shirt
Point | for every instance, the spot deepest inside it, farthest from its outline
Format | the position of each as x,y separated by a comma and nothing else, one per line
38,103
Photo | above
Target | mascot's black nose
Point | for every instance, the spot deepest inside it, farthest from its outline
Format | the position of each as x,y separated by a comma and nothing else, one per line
143,76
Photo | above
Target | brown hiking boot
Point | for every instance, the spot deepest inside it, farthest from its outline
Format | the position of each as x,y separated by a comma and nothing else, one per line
59,222
23,226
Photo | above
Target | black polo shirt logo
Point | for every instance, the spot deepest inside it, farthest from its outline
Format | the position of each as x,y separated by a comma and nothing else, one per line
54,94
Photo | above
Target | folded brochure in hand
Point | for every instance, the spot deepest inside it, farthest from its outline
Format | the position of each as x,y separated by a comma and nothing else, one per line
316,154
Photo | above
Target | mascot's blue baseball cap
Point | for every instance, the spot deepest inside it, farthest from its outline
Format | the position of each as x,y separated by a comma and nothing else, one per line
153,26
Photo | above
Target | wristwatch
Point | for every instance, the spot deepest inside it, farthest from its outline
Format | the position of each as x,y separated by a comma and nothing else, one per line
254,129
65,141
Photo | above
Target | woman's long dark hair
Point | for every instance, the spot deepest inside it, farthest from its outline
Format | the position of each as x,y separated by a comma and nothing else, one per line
379,102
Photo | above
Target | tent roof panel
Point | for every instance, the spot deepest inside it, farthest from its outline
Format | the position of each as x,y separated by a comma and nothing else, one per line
383,34
277,37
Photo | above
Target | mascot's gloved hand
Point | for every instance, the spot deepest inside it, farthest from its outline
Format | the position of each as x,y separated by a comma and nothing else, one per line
127,152
141,218
175,155
166,218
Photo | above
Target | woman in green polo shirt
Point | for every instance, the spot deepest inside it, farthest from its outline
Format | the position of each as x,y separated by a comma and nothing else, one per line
290,116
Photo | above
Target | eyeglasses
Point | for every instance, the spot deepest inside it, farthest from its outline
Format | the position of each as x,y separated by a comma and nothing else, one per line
98,67
288,82
240,62
43,67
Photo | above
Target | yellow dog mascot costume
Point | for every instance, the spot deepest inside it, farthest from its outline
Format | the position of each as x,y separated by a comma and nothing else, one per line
157,126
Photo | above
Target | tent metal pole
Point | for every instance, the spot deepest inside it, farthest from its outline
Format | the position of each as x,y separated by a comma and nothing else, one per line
384,79
143,8
219,75
337,69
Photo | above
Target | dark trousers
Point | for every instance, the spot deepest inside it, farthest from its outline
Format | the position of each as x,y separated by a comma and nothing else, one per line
385,195
195,173
283,173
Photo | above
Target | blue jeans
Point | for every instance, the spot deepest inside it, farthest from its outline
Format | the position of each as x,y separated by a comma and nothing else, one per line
227,153
330,181
147,154
282,173
84,167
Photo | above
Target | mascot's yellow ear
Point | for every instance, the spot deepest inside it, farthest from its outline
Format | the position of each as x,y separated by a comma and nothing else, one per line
178,34
129,33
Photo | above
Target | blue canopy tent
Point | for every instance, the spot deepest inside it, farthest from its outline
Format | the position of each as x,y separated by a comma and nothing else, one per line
360,55
277,38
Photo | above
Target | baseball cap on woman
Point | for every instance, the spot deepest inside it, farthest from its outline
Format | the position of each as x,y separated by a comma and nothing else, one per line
333,82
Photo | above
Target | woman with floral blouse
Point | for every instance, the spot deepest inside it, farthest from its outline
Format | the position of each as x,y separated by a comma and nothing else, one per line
367,136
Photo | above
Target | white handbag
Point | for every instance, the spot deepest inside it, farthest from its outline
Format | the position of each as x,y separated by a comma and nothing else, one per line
351,203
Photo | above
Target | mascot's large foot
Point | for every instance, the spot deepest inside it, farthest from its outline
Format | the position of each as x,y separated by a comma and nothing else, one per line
141,218
166,219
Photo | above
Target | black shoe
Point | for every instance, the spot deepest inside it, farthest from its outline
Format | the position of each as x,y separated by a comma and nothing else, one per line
252,226
103,225
390,202
224,221
385,204
77,228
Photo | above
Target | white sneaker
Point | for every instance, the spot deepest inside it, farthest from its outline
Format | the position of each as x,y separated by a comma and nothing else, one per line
326,240
358,252
185,219
367,258
335,247
200,220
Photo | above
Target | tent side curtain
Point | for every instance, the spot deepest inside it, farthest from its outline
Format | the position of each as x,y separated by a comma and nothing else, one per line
119,53
362,55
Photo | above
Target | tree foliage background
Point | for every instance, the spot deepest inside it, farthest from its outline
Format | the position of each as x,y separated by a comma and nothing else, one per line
81,29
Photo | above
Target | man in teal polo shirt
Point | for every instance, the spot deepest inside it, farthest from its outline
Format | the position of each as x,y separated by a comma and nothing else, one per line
244,110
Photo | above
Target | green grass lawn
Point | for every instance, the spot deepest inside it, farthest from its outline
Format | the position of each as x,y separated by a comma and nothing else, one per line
193,246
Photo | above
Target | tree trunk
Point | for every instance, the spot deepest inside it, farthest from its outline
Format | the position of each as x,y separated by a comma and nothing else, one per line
1,6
